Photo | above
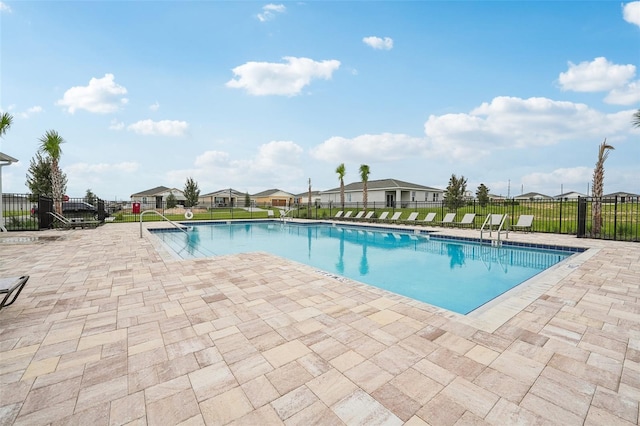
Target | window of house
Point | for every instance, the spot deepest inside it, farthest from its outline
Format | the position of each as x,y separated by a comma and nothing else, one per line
436,196
413,195
349,197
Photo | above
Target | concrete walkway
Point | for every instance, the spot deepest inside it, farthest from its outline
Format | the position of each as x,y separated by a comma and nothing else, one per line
112,330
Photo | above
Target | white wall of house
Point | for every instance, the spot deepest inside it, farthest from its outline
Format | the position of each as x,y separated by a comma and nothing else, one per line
403,196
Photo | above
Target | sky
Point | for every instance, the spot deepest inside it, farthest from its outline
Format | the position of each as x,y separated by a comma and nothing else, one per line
254,95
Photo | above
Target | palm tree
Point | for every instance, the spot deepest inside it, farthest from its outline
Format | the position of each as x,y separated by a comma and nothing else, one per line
341,171
364,175
6,120
636,119
50,145
598,185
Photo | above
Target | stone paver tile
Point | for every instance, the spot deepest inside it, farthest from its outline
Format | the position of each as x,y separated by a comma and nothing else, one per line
584,371
359,408
395,359
329,348
441,410
285,353
317,414
103,370
622,406
288,377
505,386
454,343
474,398
368,376
225,407
549,411
147,359
48,396
212,380
101,339
41,367
457,364
331,386
415,421
598,416
434,371
79,358
143,379
264,415
482,355
127,409
166,389
260,391
562,395
196,420
416,385
173,409
293,402
250,368
102,392
96,416
385,317
396,401
507,413
314,364
346,361
208,356
517,366
47,415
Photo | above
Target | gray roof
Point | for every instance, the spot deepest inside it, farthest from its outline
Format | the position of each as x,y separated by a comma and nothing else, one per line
152,191
306,194
621,194
532,195
384,184
224,192
8,158
269,192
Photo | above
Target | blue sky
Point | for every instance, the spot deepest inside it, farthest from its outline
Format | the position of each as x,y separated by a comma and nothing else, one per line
256,95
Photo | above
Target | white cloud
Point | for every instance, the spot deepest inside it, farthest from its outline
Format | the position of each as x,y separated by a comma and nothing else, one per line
269,11
627,95
155,106
268,78
276,162
102,96
4,7
571,179
162,128
102,168
379,43
116,125
370,148
31,111
631,12
598,75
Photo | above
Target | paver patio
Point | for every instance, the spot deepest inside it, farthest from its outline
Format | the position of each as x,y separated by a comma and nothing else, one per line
112,330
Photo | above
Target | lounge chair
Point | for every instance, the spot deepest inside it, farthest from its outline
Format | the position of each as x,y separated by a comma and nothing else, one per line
270,213
358,216
369,215
412,218
383,217
70,224
524,223
429,219
467,220
448,219
395,217
348,214
10,285
338,215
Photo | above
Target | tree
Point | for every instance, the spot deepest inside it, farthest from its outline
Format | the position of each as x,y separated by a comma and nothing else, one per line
6,120
191,193
454,195
39,177
636,119
247,200
364,176
341,171
598,185
482,194
171,201
90,197
50,144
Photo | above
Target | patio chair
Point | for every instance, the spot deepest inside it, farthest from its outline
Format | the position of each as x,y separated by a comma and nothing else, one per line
10,285
448,219
383,217
358,216
270,213
369,215
524,223
412,218
395,217
338,215
70,224
429,219
467,220
348,214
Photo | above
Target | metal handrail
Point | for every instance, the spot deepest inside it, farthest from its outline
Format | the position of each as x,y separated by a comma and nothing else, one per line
180,227
489,221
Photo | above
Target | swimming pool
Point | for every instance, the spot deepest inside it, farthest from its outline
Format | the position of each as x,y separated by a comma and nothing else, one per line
453,274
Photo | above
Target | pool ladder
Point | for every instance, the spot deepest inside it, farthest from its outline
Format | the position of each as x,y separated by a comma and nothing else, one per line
177,225
498,221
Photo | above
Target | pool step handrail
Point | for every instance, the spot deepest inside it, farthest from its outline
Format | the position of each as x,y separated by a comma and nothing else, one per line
489,224
284,213
177,225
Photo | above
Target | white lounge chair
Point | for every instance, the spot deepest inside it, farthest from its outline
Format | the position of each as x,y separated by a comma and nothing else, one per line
467,220
395,217
524,223
412,217
358,215
70,224
348,214
448,219
338,215
270,213
10,285
429,218
383,216
369,215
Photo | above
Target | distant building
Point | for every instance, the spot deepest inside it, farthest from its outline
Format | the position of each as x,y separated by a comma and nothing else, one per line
155,198
303,198
273,197
569,196
622,197
222,198
533,196
384,192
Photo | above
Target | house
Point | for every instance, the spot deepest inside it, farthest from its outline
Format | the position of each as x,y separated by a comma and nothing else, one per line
495,197
569,196
303,198
273,197
621,197
222,198
530,196
156,198
384,192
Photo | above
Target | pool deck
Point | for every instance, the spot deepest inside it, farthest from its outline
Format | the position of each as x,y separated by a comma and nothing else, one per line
112,330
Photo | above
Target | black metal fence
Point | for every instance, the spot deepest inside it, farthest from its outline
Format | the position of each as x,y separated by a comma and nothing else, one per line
619,217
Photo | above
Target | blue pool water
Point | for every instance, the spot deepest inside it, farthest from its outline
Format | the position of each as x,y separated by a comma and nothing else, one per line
456,275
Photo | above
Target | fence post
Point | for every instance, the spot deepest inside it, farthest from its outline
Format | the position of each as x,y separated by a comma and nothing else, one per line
582,217
615,218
